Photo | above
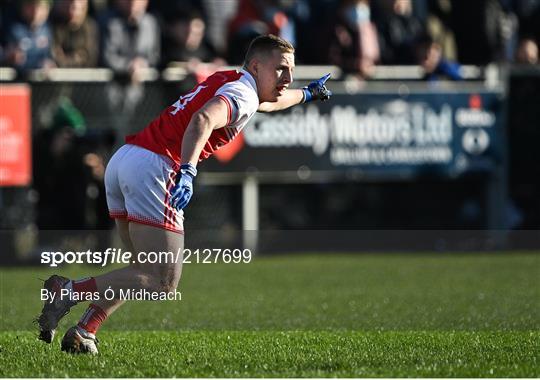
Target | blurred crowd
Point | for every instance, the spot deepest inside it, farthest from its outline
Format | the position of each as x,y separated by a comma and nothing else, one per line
128,36
356,35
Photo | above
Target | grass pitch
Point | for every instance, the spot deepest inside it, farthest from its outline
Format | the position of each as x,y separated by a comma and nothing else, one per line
384,315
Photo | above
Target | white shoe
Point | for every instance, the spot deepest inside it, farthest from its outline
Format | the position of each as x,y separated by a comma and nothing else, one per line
79,341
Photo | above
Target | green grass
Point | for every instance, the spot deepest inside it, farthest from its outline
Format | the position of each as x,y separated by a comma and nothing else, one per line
384,315
283,354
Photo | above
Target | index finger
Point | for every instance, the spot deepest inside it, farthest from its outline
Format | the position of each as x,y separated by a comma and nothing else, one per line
325,78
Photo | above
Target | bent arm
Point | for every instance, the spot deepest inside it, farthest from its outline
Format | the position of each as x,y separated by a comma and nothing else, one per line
213,115
288,99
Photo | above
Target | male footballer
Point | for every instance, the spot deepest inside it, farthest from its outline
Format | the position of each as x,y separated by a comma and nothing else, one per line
149,180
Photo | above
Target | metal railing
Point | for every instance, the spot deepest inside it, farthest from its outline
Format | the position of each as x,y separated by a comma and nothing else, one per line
180,70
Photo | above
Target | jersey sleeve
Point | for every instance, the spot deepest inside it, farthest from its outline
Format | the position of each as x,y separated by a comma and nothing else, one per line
240,101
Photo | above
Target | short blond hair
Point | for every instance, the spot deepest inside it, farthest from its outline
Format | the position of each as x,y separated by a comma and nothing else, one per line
265,45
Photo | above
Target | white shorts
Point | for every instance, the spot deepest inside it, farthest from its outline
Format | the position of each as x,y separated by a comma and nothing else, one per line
138,184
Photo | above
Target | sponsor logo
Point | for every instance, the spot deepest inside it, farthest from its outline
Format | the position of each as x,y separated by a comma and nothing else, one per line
400,133
475,141
467,117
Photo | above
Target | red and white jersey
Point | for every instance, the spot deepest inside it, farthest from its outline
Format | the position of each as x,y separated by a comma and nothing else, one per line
165,133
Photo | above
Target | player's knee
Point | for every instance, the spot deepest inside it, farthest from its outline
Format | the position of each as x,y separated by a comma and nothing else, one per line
168,284
158,281
148,281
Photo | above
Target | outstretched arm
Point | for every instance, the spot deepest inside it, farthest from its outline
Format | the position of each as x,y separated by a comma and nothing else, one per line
316,90
288,99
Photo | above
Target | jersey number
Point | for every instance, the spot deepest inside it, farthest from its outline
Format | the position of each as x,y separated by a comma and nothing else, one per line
185,99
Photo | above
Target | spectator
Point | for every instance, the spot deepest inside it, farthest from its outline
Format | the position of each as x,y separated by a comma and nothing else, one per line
527,52
29,38
302,29
184,38
399,30
68,166
131,39
8,14
60,175
482,30
438,27
217,14
315,30
528,13
354,46
429,56
75,35
254,18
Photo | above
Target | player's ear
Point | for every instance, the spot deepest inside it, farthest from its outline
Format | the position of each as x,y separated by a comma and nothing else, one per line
255,66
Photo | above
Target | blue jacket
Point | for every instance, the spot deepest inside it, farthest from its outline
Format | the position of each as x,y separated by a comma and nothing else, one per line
35,43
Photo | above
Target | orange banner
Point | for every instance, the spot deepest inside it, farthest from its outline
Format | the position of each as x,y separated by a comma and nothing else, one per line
15,137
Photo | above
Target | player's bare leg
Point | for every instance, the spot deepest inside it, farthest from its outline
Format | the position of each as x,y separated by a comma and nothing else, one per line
160,277
109,307
78,339
152,277
122,226
55,309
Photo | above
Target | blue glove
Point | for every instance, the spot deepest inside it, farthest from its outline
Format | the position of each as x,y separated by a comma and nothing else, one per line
316,90
183,189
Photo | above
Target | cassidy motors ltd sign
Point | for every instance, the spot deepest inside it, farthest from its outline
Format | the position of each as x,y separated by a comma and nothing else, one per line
372,132
400,133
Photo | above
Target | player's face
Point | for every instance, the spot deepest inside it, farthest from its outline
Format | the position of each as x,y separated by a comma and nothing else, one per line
274,75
